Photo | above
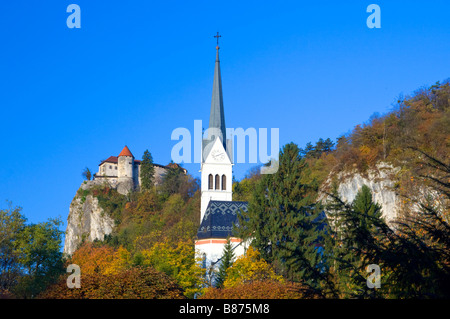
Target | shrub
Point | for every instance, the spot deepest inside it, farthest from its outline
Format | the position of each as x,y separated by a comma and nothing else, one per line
133,283
266,289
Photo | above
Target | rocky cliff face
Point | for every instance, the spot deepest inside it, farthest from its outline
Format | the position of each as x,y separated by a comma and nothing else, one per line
86,221
381,181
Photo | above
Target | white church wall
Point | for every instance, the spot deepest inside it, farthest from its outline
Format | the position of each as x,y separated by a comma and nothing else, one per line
213,249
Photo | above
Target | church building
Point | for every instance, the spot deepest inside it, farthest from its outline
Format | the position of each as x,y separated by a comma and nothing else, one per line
218,211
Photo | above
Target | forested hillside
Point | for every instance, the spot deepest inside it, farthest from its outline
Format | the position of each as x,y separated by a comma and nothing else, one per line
330,256
297,251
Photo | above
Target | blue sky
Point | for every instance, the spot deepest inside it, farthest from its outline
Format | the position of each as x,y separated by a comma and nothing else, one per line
136,70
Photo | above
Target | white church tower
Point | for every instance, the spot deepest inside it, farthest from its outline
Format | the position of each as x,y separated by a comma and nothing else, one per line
217,158
217,209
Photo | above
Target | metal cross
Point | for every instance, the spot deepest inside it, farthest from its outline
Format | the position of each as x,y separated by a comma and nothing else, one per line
217,36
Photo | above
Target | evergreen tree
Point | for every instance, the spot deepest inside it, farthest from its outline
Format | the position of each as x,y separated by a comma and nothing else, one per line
360,235
147,171
421,254
284,223
327,146
322,146
226,261
366,217
309,149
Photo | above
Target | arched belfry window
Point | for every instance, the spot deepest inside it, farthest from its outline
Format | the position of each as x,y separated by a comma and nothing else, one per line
217,182
224,182
210,181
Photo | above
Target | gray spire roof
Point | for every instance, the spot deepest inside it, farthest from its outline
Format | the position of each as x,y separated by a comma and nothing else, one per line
217,126
217,115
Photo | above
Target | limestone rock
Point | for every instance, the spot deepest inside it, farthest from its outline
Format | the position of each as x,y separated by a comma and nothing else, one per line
381,181
86,221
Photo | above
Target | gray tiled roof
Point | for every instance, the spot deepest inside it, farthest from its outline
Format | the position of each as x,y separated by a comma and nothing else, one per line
219,219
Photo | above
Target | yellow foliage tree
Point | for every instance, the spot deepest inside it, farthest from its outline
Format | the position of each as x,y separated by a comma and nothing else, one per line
103,260
92,259
121,261
250,268
178,262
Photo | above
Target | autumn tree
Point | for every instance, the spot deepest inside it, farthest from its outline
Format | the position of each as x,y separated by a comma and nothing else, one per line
133,283
243,189
262,289
175,180
92,258
121,260
177,261
420,120
250,267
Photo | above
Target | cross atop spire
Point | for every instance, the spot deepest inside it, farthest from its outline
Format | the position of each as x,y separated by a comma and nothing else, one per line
217,37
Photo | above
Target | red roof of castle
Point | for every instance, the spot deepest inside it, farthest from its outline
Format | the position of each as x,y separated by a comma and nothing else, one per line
126,152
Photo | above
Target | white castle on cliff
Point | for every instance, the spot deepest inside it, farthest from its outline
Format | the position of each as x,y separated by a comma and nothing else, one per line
123,171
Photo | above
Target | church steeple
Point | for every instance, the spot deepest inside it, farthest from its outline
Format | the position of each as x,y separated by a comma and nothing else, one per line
217,160
217,115
217,209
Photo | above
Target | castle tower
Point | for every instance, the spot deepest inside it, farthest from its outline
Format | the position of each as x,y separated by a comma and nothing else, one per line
125,172
216,166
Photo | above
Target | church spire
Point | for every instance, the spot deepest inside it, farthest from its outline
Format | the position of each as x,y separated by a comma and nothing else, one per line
217,116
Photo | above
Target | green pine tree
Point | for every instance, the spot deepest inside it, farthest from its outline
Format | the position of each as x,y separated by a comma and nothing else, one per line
147,171
226,261
359,233
420,256
284,224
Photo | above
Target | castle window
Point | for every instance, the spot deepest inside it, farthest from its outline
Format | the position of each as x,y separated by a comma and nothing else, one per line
224,182
210,181
217,181
110,166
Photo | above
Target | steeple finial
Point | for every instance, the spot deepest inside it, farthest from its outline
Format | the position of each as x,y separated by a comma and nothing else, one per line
217,37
